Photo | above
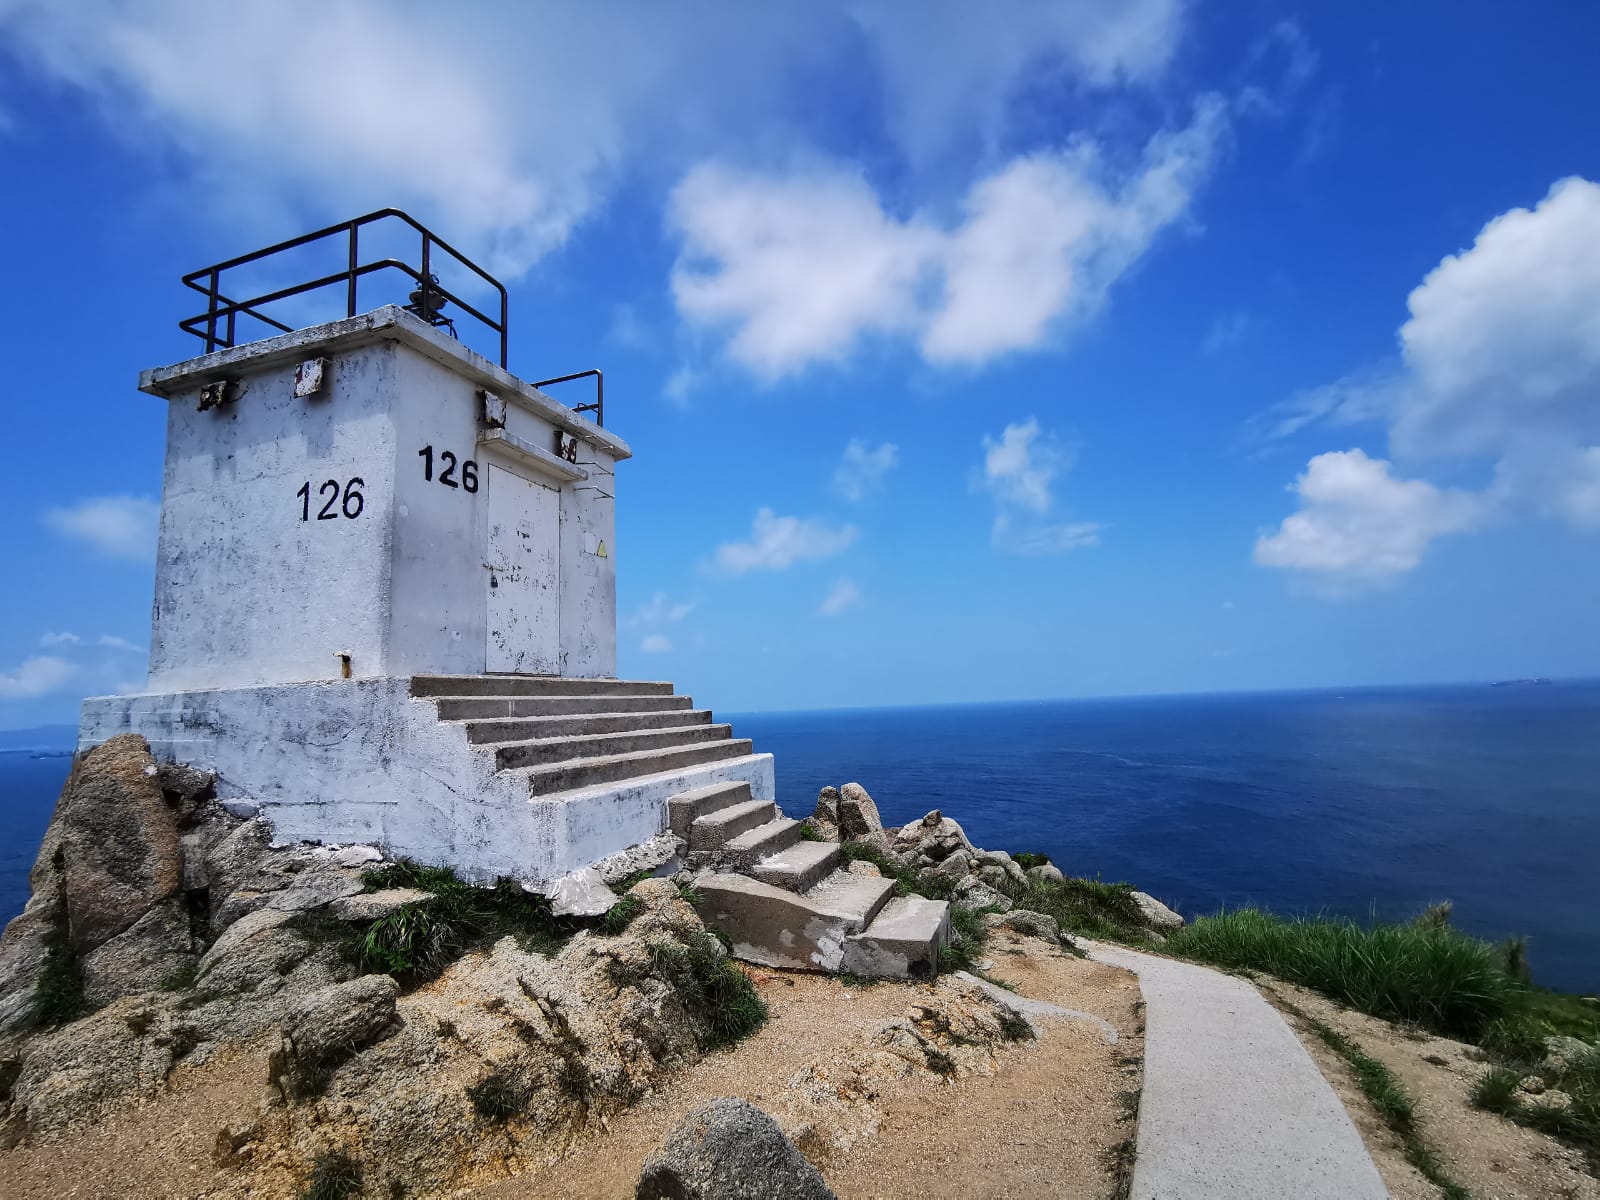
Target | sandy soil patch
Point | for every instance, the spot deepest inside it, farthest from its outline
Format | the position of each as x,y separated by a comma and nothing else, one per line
1031,1118
1484,1153
1039,1118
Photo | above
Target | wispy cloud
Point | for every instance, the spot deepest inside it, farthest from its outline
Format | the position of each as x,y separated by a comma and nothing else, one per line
37,676
862,471
844,594
122,527
655,643
776,543
1020,468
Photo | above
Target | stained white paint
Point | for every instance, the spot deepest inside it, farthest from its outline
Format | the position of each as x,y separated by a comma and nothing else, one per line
524,593
361,761
253,588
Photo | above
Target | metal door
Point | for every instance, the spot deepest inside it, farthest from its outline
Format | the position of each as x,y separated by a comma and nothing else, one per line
524,591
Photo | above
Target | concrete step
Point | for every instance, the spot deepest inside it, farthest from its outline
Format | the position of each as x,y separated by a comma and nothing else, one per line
474,708
684,808
581,724
750,847
800,865
860,897
902,942
775,927
532,685
509,755
713,830
562,777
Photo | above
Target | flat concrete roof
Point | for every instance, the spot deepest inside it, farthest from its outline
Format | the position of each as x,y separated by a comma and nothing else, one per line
389,323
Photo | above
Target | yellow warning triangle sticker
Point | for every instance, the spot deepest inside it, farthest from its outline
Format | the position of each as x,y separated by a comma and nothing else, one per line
601,552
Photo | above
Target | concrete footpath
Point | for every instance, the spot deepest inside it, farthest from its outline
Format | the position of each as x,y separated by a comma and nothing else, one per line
1233,1106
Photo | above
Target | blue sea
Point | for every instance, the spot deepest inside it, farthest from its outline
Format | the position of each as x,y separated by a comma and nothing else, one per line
1359,802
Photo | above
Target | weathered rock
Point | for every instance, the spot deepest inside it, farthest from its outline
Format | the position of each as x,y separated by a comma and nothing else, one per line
323,1029
858,814
883,842
861,866
729,1150
128,1046
956,866
581,893
994,876
186,788
23,950
934,838
1531,1084
142,958
257,947
1046,873
1004,861
236,864
314,889
825,817
1569,1052
113,840
1034,924
973,893
1156,914
370,906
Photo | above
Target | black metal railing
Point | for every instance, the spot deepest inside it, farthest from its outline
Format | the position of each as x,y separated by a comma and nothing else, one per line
216,326
598,408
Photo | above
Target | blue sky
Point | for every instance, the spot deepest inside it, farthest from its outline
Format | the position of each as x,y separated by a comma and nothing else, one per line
1070,350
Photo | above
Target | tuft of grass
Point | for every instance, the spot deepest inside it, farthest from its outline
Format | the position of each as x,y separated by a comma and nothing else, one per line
334,1176
810,833
1496,1091
688,895
1385,1093
969,934
1430,975
713,988
1091,907
859,983
499,1095
58,997
415,943
1028,859
620,915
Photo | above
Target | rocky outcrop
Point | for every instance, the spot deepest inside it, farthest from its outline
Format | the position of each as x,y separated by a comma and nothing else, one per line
824,819
1157,916
322,1030
931,840
858,814
729,1149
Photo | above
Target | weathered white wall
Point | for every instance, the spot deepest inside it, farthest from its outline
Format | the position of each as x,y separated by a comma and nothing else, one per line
248,592
361,761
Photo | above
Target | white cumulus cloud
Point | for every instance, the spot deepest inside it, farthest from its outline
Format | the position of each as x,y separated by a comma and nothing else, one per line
797,267
37,676
844,594
507,124
1500,364
1359,524
117,526
862,471
778,542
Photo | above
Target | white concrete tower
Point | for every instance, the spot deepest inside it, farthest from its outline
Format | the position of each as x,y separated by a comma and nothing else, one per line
385,601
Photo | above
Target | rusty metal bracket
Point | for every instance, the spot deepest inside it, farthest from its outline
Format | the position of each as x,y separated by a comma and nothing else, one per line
217,393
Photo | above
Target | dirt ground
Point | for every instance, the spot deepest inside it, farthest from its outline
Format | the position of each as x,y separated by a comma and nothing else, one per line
1045,1118
1486,1154
1032,1118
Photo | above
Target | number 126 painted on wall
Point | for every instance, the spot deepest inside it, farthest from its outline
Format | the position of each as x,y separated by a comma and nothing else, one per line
469,469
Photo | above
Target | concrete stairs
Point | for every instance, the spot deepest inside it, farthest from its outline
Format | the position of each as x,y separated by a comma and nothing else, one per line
565,735
785,902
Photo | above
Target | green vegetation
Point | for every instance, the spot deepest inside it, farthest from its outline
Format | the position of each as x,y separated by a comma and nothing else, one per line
1386,1095
1496,1090
1428,974
499,1095
1431,975
620,915
1028,859
1090,907
713,987
334,1176
58,992
969,934
418,941
810,833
